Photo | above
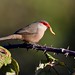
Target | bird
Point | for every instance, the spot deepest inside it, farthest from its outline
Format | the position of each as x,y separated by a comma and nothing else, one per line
31,33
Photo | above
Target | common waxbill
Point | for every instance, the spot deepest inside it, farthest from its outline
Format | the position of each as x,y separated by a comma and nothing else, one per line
30,33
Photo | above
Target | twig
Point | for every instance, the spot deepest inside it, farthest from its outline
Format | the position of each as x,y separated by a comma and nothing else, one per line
41,48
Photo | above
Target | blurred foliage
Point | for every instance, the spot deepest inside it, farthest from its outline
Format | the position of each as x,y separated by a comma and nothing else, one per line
45,67
8,65
15,14
5,57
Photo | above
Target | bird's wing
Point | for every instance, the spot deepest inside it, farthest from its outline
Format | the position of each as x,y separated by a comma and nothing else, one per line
29,29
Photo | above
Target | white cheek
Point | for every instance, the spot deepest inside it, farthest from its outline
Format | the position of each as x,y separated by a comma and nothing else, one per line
42,27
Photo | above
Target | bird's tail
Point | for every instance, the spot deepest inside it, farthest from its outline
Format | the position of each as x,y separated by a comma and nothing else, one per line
13,36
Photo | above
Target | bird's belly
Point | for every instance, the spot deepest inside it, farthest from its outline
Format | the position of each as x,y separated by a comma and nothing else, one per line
33,37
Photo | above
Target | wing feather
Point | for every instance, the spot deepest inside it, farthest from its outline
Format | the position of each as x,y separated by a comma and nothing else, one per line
29,29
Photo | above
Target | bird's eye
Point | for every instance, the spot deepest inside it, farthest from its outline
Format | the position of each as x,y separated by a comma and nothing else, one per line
43,23
46,24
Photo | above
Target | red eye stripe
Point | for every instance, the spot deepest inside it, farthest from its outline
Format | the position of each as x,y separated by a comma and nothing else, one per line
46,24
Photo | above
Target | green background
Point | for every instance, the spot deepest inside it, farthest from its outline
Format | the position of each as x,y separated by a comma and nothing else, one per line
15,14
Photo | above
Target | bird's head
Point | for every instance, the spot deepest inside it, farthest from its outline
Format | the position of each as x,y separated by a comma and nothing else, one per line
43,22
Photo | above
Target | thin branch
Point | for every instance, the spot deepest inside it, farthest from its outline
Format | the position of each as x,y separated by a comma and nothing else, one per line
41,48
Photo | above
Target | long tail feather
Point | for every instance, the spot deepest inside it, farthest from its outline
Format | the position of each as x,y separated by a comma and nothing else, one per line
14,36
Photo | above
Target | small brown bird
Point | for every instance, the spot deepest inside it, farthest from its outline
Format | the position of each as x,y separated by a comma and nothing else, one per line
31,33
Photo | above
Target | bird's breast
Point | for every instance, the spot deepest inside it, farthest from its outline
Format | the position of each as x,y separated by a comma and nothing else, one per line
34,37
